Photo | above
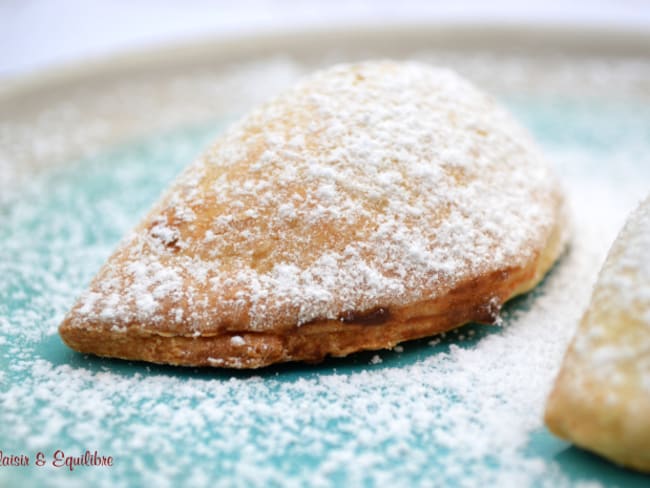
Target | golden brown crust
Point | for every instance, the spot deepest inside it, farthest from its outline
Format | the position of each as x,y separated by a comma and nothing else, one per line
475,301
601,397
371,204
587,417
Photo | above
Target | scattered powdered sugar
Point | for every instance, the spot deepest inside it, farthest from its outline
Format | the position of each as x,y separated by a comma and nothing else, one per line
626,274
371,185
443,412
237,341
446,417
613,342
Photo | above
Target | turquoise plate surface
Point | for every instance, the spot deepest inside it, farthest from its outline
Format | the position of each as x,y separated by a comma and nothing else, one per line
461,410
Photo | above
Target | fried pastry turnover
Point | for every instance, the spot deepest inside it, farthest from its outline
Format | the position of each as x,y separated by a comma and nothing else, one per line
370,204
601,398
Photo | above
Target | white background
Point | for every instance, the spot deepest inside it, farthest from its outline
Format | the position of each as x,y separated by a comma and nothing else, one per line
36,34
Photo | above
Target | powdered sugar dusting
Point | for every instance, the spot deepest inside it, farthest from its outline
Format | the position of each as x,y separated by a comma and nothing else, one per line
613,342
457,412
627,273
365,186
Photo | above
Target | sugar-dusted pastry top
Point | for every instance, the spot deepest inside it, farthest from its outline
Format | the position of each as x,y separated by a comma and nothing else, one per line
371,185
601,399
617,336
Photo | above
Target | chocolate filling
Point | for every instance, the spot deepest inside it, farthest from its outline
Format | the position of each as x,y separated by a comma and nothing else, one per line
376,316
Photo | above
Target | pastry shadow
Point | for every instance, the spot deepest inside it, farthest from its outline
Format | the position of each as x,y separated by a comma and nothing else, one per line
575,462
580,466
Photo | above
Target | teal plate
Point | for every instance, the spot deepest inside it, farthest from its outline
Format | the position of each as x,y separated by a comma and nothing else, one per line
464,409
